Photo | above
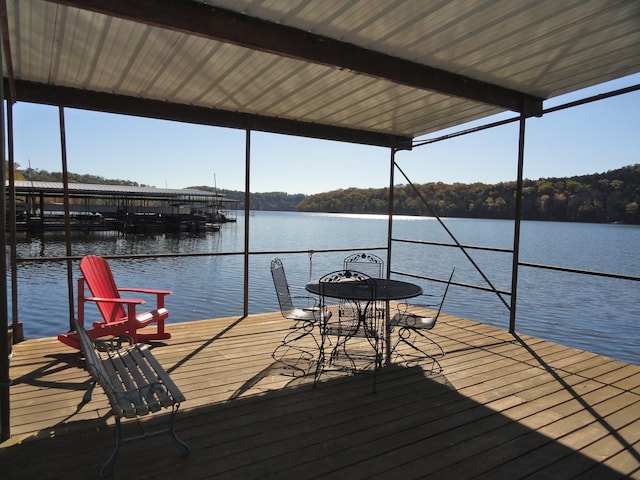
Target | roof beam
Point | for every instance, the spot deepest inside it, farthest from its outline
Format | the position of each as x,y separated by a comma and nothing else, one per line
140,107
227,26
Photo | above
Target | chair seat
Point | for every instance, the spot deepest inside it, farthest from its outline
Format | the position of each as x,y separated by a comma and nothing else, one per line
307,314
142,319
414,321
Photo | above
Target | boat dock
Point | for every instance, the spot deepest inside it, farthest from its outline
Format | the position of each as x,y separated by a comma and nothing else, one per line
503,406
122,208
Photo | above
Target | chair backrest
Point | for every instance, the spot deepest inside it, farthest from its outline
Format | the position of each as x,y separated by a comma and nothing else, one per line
99,279
444,295
345,275
366,286
281,285
365,262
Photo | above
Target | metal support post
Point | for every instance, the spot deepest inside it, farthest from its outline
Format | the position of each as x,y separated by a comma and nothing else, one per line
516,232
387,329
67,214
247,208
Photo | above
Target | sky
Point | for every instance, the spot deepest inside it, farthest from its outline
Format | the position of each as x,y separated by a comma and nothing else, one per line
592,138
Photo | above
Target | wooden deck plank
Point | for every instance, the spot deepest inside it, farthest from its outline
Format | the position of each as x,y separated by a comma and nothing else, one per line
503,407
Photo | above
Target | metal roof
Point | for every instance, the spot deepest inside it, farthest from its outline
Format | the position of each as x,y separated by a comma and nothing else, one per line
372,72
57,188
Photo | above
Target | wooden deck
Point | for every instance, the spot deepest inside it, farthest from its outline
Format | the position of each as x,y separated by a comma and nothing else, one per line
503,407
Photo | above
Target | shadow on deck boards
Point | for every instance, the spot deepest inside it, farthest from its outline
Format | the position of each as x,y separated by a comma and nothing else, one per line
413,427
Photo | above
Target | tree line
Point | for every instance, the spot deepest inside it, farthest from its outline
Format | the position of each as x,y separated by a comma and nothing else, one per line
608,197
276,201
38,175
612,196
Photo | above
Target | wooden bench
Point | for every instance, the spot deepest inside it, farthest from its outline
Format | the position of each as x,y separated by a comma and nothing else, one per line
135,383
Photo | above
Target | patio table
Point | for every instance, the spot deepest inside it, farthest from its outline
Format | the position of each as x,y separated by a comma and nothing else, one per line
364,294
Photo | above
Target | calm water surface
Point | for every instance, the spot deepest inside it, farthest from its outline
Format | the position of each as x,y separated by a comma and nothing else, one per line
591,313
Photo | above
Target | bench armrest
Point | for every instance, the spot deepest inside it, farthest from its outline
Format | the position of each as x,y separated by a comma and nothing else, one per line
141,400
112,344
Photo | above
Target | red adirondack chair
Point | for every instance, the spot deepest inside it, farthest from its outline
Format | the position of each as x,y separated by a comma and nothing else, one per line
119,314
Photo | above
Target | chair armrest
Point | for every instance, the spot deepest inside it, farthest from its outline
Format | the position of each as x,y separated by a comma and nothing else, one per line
159,293
306,297
153,291
124,301
404,307
130,304
309,299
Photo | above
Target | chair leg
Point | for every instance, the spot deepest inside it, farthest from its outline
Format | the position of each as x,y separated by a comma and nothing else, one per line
297,333
321,358
433,343
280,355
325,360
374,339
345,328
407,336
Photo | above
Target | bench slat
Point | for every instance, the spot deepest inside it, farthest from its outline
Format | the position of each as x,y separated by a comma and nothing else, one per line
134,381
160,373
130,397
152,399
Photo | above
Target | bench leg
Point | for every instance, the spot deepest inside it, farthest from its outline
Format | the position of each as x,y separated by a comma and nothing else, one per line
86,398
107,468
183,448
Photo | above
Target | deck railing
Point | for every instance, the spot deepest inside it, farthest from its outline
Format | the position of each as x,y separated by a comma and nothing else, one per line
489,288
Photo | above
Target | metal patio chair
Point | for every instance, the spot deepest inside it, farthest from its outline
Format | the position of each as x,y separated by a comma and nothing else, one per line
373,266
300,345
412,320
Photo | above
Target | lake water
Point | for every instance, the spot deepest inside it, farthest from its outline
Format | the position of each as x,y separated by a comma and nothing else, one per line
592,313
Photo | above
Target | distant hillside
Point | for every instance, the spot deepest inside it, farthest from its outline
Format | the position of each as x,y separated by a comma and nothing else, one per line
608,197
279,201
38,175
613,196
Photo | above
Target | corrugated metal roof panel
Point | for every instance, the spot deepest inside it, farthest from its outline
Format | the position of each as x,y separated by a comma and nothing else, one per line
111,189
540,48
491,40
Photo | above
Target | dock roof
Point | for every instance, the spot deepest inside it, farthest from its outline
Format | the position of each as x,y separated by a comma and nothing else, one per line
378,73
27,186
